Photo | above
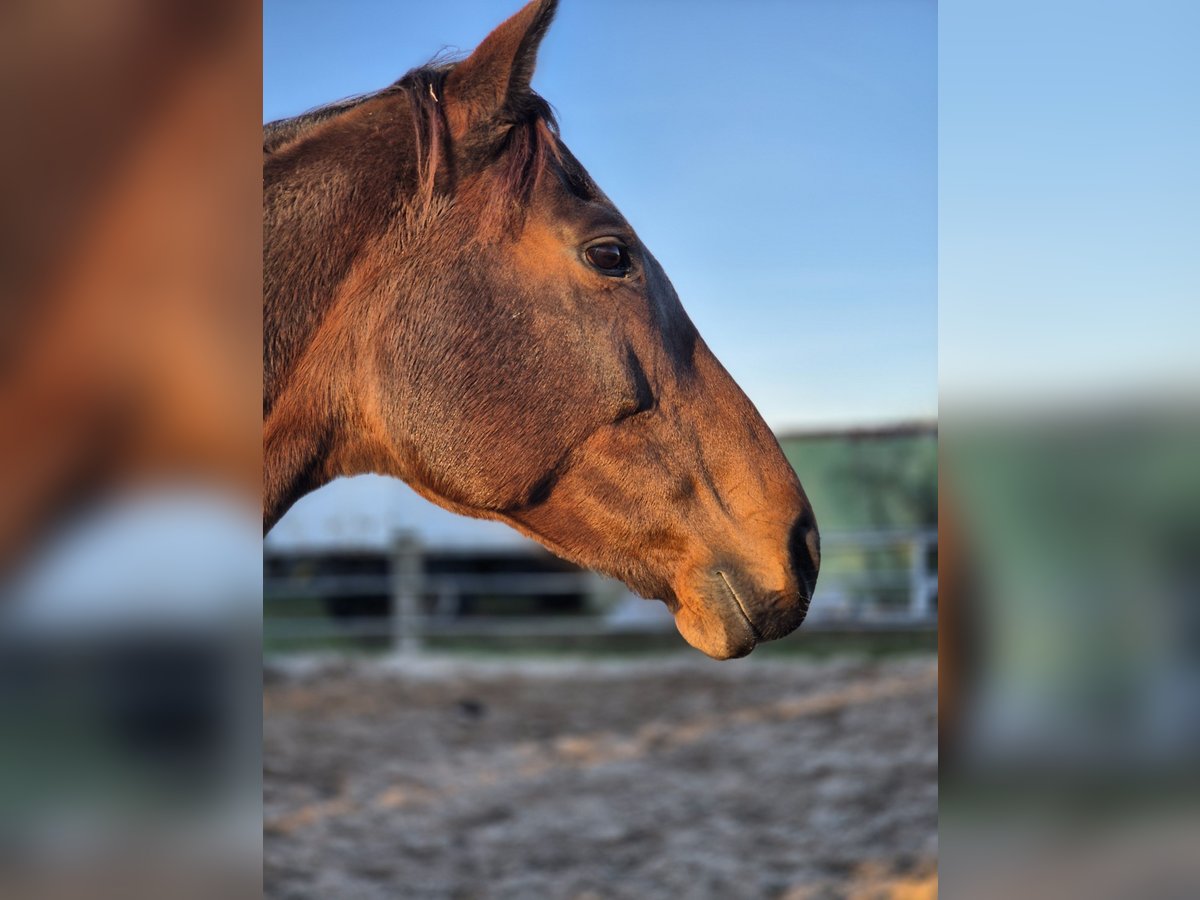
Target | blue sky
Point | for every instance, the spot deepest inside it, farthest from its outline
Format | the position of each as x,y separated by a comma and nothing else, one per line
1070,190
779,158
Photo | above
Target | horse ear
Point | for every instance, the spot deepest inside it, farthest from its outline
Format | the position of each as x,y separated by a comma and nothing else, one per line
493,79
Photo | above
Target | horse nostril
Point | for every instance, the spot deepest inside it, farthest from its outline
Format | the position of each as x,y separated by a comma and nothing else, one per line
804,549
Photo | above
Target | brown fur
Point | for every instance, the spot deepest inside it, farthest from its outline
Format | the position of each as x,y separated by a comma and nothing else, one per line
129,332
429,313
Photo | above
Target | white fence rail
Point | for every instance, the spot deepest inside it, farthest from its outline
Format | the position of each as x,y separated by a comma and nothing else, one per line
870,580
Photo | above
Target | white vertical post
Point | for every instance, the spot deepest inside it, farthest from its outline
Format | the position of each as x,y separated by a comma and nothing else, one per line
917,577
406,593
596,590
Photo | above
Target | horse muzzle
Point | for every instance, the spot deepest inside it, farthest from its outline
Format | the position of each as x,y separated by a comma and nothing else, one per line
736,603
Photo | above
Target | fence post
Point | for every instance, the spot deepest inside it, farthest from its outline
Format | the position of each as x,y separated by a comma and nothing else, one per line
407,571
920,595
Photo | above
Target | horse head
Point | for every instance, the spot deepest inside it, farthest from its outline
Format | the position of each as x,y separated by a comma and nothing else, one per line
449,298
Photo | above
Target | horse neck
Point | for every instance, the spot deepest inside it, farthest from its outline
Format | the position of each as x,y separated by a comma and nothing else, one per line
295,460
318,215
328,189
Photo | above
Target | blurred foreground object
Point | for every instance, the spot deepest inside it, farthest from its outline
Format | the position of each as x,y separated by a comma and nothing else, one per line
1070,425
1071,653
1086,549
130,368
130,332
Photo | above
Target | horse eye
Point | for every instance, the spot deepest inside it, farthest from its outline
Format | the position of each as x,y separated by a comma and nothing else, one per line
611,259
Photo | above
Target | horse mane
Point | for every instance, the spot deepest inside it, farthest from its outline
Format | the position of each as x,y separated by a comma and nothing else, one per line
529,125
516,147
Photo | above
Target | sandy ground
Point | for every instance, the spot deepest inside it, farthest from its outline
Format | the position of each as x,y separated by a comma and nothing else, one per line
678,778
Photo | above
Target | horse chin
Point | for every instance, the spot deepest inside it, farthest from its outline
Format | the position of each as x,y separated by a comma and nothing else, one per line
721,634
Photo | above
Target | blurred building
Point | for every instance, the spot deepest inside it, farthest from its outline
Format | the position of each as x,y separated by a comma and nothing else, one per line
868,478
875,493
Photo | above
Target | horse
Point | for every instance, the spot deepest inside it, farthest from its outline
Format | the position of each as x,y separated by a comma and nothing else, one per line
130,331
450,299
